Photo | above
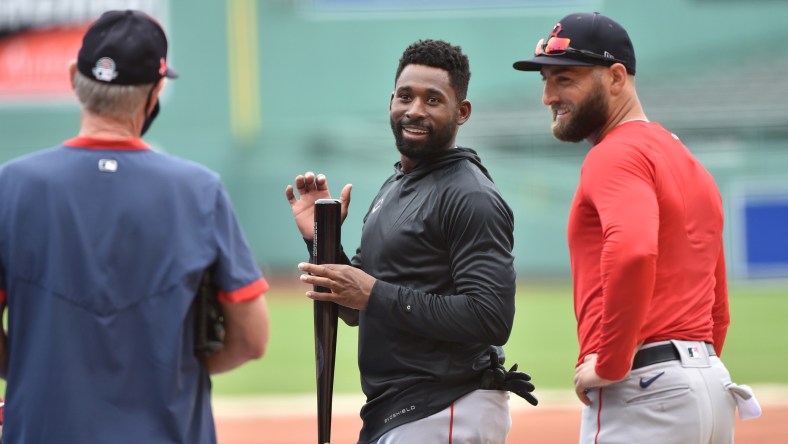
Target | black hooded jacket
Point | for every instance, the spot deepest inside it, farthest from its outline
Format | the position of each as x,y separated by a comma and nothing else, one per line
438,239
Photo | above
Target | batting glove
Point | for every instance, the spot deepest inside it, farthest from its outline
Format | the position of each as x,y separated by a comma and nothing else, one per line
497,378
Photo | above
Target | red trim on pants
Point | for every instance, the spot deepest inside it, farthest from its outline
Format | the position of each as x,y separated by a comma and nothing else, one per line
598,418
451,421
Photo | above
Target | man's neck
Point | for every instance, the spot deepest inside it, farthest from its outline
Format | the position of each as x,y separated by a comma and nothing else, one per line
104,127
408,163
628,111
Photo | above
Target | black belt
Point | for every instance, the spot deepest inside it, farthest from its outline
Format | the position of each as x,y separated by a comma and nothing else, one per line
661,353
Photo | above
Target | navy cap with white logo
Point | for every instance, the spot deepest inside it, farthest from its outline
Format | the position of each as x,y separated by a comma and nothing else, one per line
124,48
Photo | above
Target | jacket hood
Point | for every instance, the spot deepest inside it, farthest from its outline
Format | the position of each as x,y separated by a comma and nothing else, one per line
443,159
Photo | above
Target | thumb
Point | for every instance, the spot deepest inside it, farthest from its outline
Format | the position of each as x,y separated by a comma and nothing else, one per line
344,200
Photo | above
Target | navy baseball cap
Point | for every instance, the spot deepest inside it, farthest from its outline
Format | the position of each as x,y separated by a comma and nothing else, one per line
124,48
583,39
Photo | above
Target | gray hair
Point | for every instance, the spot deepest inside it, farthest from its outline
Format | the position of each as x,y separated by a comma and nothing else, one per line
110,100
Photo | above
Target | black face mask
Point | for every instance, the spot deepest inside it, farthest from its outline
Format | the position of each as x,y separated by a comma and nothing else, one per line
149,118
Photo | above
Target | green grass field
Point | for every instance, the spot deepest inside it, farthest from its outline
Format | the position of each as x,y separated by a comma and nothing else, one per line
542,342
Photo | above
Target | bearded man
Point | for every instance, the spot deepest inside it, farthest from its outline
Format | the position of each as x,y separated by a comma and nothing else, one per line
646,249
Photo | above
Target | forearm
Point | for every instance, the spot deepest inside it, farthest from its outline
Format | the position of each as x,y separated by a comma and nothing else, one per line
246,335
468,293
484,318
233,355
628,267
622,191
627,295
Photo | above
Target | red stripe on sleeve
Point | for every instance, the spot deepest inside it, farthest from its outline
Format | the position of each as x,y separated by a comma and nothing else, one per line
2,295
251,291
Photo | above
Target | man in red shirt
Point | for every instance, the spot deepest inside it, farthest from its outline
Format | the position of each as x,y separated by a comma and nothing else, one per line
646,250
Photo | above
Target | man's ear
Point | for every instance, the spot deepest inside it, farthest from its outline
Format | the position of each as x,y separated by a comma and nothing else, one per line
464,112
619,78
154,98
391,100
72,71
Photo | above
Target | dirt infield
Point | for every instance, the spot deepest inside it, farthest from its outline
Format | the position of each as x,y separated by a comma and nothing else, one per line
280,420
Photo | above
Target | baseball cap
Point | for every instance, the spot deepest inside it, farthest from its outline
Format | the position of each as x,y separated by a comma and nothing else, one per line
124,48
583,39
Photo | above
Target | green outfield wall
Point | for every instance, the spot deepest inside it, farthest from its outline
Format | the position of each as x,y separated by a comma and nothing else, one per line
271,89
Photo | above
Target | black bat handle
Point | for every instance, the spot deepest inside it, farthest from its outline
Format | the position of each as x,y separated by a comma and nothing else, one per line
326,250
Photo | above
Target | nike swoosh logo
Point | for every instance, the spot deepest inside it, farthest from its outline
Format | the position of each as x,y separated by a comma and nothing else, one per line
377,205
649,381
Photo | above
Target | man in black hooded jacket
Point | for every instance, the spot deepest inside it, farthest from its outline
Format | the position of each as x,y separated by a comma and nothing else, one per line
432,284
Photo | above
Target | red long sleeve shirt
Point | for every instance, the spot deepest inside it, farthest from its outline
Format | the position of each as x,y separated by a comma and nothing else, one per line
645,242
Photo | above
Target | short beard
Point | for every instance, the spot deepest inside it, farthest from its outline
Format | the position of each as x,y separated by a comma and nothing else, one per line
588,117
438,140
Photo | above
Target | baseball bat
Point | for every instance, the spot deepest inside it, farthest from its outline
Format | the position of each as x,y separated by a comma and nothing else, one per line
325,250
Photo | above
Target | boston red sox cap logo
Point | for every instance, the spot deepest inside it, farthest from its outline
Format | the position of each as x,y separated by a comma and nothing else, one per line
105,70
556,30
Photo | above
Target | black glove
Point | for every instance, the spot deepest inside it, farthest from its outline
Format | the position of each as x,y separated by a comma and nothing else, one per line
497,378
208,318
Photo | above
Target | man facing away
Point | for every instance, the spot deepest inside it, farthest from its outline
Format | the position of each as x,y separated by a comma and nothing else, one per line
102,245
432,285
646,249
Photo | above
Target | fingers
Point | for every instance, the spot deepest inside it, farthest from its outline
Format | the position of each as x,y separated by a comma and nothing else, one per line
523,389
577,381
320,182
319,296
581,386
290,195
320,275
530,398
310,181
517,376
582,395
344,200
300,183
307,182
306,267
318,281
518,386
315,275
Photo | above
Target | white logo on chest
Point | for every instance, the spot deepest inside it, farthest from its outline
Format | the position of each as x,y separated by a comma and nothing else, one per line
378,205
